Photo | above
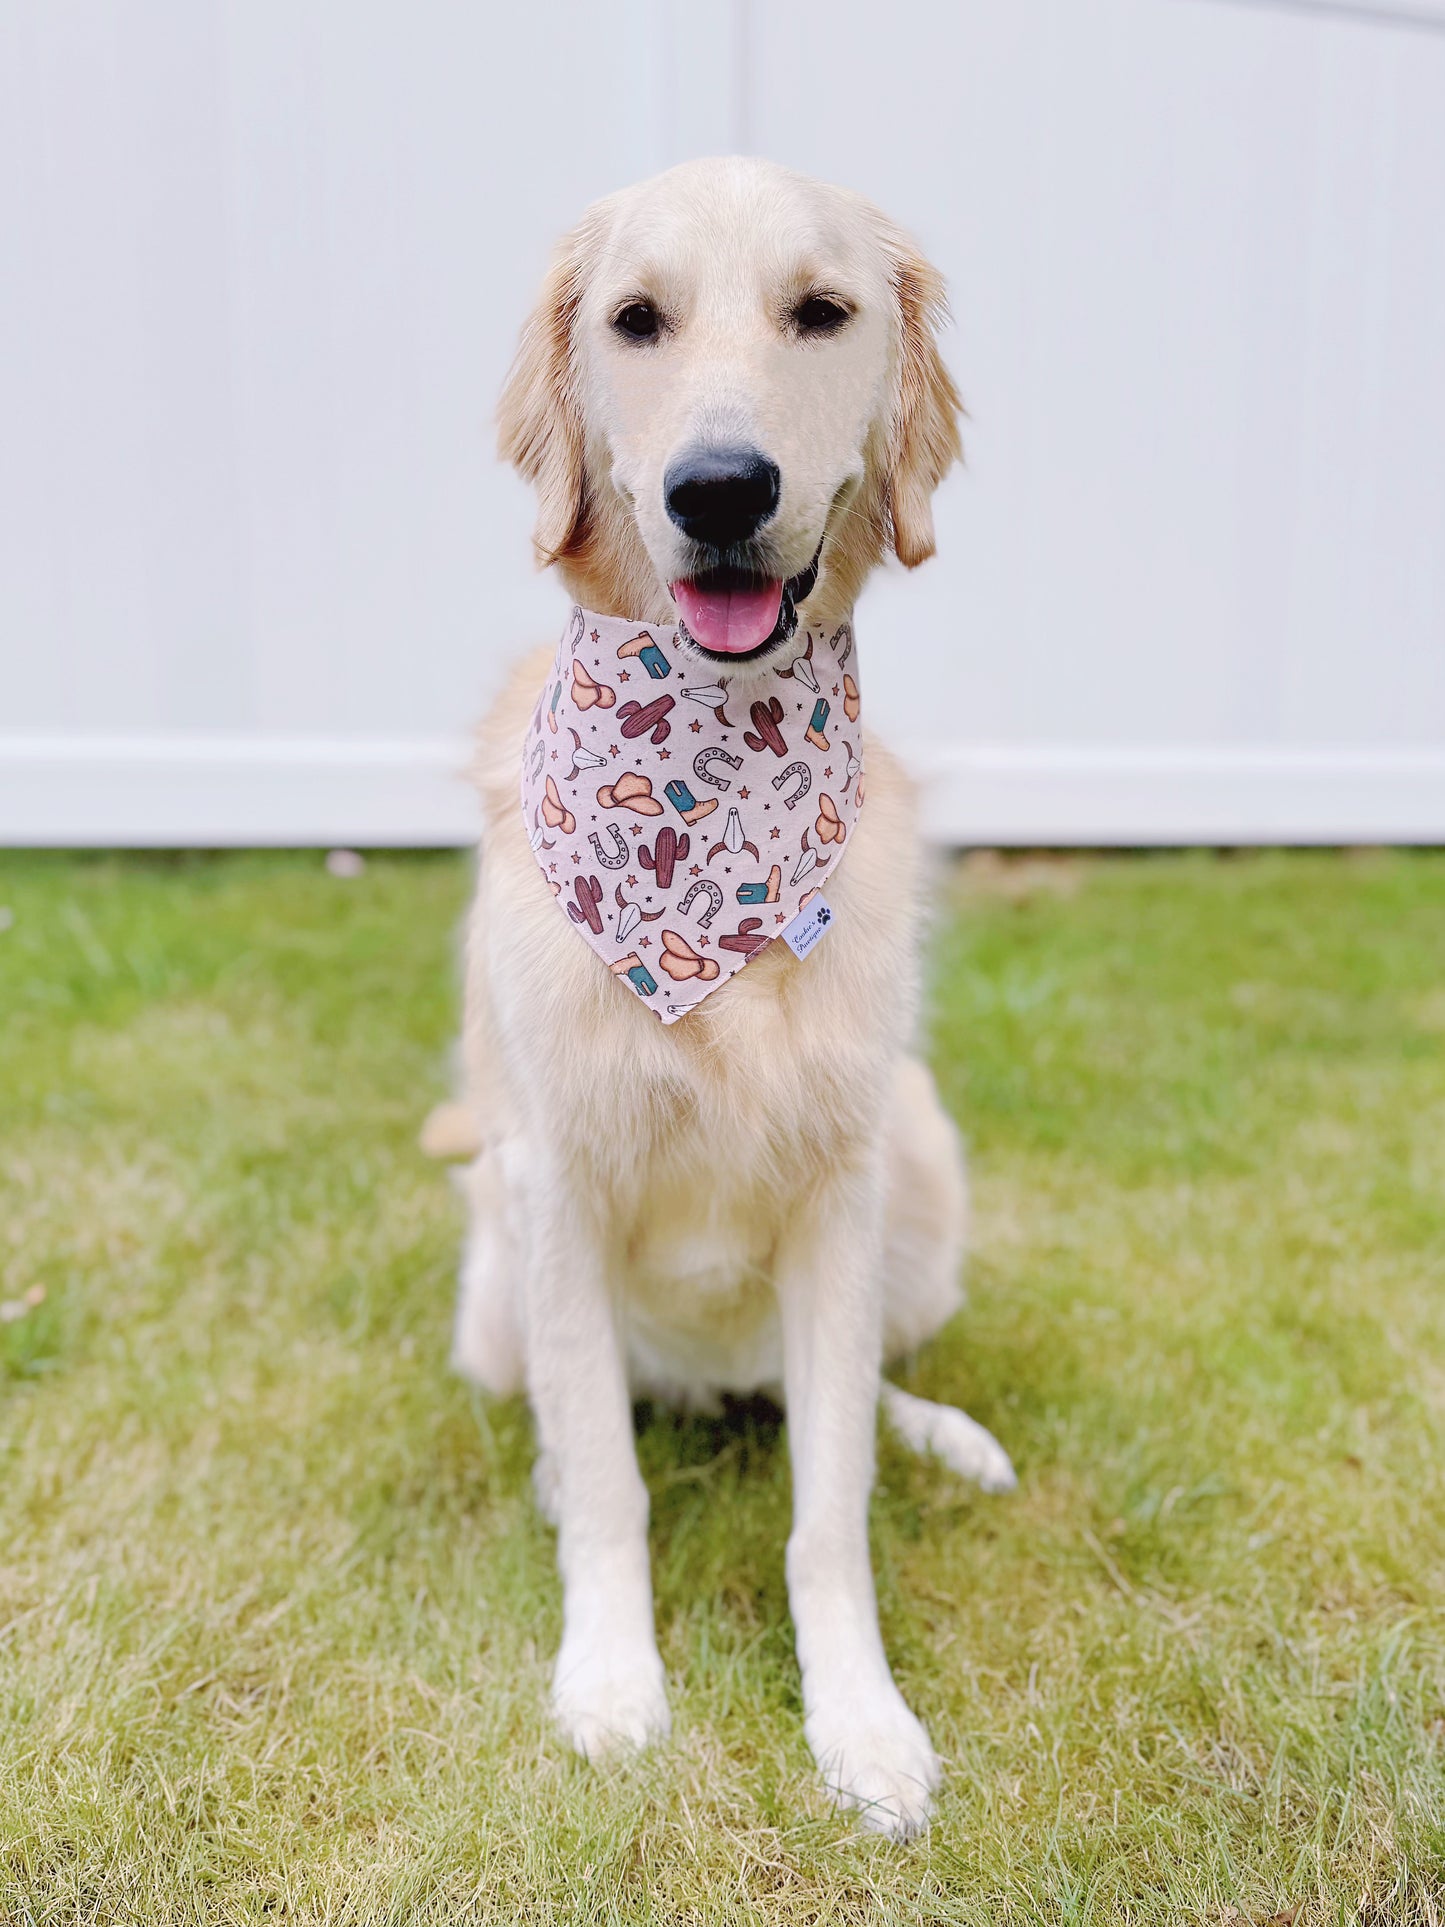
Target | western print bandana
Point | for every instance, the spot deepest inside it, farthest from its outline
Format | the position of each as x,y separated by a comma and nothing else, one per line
679,829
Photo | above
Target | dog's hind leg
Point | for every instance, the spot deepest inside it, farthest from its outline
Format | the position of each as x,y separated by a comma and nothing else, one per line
927,1214
923,1256
962,1444
487,1333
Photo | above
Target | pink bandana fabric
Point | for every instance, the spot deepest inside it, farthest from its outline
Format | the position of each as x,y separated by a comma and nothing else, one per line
680,830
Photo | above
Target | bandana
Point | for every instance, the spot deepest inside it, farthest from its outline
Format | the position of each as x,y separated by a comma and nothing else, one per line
679,831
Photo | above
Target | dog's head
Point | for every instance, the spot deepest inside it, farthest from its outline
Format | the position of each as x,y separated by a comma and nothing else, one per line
731,401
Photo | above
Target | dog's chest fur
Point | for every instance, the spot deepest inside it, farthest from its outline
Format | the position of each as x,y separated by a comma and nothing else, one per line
725,1130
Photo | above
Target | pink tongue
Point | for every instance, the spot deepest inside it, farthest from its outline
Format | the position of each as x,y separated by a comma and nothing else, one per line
729,620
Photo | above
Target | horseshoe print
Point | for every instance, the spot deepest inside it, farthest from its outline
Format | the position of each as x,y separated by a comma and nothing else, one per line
539,756
802,786
702,888
619,846
702,767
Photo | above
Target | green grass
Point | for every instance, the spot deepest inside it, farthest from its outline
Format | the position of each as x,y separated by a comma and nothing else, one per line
276,1611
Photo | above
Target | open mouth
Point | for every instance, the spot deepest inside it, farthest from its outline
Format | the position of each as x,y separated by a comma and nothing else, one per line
732,614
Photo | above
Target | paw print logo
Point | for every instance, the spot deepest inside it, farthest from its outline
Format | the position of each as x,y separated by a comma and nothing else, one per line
825,915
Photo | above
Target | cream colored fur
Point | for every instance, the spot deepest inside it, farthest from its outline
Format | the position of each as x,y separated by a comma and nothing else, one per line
766,1194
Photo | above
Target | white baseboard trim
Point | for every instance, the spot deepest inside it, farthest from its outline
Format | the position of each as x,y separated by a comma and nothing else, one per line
1426,15
193,792
1053,794
203,793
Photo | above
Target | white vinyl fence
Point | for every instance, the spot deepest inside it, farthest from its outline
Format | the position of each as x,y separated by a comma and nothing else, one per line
262,264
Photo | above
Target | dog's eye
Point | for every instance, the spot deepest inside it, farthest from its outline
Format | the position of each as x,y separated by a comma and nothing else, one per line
819,315
639,320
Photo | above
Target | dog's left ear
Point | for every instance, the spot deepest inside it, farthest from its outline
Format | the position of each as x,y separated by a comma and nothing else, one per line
539,419
923,438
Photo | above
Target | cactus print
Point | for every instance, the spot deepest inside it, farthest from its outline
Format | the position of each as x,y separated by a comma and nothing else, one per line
710,829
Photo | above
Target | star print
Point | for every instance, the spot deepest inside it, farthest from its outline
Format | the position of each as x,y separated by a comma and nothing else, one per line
694,726
727,869
695,871
624,677
597,637
702,942
576,856
774,832
554,755
777,916
552,868
614,749
635,828
644,943
632,883
835,689
664,755
743,795
829,770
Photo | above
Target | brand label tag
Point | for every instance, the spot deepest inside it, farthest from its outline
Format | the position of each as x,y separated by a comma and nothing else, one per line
807,927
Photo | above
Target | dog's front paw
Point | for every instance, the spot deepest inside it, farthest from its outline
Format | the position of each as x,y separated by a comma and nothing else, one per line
605,1700
875,1757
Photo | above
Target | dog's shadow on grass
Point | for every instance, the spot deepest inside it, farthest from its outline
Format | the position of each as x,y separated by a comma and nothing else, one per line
692,1461
721,1505
721,1500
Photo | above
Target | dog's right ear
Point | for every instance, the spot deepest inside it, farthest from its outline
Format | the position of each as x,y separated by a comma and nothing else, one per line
539,421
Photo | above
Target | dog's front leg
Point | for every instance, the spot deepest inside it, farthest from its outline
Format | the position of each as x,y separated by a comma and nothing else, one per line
869,1747
608,1685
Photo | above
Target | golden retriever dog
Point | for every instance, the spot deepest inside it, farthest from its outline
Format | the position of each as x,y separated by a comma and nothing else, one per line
731,403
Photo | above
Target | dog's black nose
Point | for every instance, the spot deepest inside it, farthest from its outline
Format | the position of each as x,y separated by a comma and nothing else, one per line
721,495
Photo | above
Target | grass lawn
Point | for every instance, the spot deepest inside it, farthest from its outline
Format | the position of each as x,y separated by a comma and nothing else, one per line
276,1611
